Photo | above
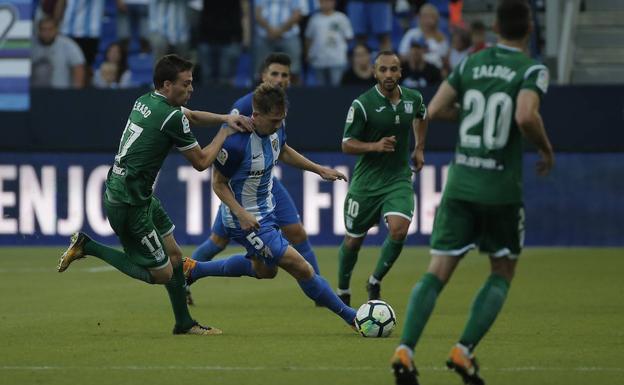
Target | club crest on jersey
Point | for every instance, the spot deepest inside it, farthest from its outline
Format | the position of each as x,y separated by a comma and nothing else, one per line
409,107
275,144
186,127
350,115
222,156
397,119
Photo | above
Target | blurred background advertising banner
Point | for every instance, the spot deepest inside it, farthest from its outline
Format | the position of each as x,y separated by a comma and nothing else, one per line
15,43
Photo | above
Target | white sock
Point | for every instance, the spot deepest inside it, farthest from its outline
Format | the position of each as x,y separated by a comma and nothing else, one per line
373,281
341,291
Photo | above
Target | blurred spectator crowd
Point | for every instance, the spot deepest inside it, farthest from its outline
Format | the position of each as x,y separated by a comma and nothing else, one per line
114,43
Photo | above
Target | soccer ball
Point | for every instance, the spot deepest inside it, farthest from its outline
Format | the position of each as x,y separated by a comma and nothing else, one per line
375,319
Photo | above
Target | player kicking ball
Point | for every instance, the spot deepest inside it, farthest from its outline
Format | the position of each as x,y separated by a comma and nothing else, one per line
243,178
499,91
156,123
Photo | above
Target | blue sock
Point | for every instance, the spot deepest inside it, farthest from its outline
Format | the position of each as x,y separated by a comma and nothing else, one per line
305,249
206,251
319,290
233,266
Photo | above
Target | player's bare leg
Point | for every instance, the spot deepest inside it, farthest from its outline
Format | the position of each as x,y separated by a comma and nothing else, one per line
177,294
390,251
347,258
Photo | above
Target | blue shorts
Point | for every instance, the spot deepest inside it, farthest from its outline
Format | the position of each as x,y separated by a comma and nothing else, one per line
285,211
266,244
375,17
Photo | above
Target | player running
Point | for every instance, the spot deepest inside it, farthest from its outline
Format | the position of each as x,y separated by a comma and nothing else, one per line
499,91
156,123
378,129
243,180
276,71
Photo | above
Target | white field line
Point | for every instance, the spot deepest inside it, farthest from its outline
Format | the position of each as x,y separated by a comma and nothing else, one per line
299,368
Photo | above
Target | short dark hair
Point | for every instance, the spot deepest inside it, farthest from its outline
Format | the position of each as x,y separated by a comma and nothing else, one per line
514,18
276,58
168,68
386,53
268,98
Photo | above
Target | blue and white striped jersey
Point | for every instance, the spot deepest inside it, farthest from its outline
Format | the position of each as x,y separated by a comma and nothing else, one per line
247,159
169,18
83,18
277,12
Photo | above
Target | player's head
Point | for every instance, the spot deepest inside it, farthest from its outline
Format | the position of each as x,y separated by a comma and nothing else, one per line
270,105
47,30
513,19
276,69
173,77
387,70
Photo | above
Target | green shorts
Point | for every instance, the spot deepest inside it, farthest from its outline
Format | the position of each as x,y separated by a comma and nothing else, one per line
460,226
140,230
361,212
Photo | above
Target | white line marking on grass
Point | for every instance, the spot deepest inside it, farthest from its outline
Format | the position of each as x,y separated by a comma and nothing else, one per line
300,368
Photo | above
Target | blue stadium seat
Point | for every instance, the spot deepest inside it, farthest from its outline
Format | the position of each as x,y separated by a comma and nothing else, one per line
141,65
243,71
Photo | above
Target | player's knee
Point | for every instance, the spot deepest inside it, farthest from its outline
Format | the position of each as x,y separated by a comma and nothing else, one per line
352,243
503,267
162,276
266,273
175,256
304,271
295,234
398,234
219,241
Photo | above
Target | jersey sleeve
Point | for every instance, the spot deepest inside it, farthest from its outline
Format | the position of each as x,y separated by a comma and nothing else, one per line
231,154
356,120
536,78
421,113
177,127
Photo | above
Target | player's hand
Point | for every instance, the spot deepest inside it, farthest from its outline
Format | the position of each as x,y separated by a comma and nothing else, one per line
330,174
418,158
248,221
239,122
546,163
274,33
386,144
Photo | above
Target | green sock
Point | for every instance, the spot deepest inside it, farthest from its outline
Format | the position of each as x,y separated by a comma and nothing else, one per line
390,251
486,306
177,295
118,260
346,262
421,304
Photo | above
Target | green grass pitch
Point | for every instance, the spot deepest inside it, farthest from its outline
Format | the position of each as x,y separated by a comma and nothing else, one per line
562,324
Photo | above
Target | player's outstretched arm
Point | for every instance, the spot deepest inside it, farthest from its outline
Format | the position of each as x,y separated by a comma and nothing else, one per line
420,134
202,158
531,125
291,157
224,192
204,118
443,106
354,146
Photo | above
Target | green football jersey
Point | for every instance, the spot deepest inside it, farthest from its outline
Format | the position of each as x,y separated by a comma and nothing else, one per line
154,126
372,117
487,167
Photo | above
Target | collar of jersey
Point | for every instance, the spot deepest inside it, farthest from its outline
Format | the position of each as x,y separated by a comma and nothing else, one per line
508,48
388,100
156,93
